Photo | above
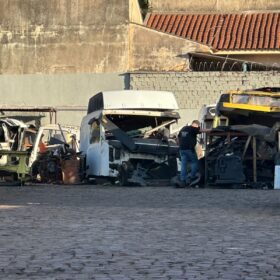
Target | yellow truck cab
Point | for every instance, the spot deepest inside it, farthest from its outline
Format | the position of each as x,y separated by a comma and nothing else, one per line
260,106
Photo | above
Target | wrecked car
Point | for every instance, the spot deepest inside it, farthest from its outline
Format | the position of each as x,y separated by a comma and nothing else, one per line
55,148
23,158
246,149
11,134
126,136
11,142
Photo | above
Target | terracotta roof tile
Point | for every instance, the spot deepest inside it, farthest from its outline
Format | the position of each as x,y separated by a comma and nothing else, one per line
251,31
176,24
187,26
233,35
277,43
181,25
273,28
212,28
248,31
161,22
206,32
197,30
170,24
244,37
217,31
239,32
192,26
262,31
267,40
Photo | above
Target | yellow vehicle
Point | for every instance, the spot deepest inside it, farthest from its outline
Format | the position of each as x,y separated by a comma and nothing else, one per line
261,106
245,149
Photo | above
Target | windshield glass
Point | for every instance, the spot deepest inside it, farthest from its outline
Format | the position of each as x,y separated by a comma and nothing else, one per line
137,126
255,100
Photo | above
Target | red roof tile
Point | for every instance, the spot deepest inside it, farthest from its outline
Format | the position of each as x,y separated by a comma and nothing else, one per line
248,31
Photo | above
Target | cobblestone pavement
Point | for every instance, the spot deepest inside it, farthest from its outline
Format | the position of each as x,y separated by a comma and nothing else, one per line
92,232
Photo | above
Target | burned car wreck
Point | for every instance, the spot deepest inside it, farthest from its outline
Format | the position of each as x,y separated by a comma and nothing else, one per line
242,154
39,154
11,134
54,155
126,136
247,149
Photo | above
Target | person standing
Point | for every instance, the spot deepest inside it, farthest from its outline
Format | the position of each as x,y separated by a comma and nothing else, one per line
187,141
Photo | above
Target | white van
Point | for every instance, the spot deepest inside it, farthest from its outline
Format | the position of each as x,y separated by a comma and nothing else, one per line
126,136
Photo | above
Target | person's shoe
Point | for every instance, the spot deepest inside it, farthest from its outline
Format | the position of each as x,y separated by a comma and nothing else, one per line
180,184
195,181
187,183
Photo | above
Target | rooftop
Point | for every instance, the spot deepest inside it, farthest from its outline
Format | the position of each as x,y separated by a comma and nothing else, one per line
230,32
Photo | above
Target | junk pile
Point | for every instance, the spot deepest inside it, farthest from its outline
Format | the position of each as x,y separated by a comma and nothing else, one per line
48,154
61,165
246,150
127,137
242,154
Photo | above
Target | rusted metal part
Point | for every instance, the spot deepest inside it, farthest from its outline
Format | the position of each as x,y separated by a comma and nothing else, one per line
59,166
241,155
19,151
43,109
71,171
16,165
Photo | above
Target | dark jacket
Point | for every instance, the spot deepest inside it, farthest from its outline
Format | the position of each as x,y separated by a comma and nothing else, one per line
187,137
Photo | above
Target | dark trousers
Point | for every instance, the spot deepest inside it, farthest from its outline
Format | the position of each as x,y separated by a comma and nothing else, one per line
188,156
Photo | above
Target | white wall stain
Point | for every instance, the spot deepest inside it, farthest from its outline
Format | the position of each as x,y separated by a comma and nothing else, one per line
100,66
81,29
37,32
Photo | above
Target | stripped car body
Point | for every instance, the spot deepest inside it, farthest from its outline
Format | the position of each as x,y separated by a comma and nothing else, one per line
11,136
245,151
60,147
54,136
126,136
11,133
20,148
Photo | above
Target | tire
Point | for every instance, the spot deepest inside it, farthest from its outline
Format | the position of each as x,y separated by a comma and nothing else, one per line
123,177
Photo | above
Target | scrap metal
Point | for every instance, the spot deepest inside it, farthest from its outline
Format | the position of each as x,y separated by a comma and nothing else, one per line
20,156
245,150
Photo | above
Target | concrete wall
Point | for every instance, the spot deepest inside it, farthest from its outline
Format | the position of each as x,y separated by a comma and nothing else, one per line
69,93
214,5
63,36
61,52
195,89
156,51
135,15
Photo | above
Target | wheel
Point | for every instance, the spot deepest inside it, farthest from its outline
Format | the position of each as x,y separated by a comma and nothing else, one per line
123,177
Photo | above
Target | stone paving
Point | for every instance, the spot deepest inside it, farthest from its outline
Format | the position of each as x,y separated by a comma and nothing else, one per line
94,232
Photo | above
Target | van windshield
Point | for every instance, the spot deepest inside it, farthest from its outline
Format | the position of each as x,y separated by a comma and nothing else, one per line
137,126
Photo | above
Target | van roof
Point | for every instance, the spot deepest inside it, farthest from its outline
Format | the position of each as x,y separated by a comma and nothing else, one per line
133,99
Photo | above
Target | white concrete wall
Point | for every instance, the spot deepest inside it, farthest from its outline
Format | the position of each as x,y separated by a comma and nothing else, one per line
60,91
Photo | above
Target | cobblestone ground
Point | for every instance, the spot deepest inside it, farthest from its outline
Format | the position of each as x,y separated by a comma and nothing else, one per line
91,232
